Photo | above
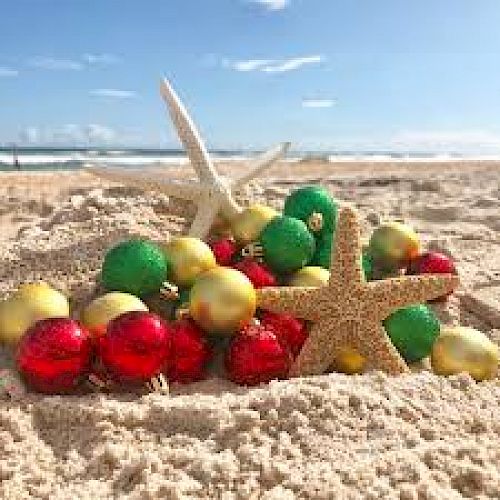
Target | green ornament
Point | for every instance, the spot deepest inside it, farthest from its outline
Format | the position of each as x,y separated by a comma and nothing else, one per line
367,264
287,244
413,331
323,252
314,206
138,267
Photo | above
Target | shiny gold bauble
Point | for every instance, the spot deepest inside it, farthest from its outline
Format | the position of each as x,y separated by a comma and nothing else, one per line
32,302
222,300
248,225
188,258
349,361
102,310
393,245
460,349
310,276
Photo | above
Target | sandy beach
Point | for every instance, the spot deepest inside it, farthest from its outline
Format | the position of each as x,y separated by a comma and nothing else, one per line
417,436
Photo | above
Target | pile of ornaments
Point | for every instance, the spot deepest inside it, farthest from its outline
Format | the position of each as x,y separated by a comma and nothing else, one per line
171,309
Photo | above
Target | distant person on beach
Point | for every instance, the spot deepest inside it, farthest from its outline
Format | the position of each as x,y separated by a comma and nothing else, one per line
16,162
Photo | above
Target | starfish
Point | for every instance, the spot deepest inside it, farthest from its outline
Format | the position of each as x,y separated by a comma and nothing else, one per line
348,311
212,194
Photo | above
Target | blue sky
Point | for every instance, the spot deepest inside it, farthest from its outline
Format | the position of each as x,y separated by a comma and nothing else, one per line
356,74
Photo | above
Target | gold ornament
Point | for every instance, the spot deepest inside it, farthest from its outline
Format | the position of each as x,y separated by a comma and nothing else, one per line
460,349
31,302
349,361
247,226
188,258
222,300
348,311
102,310
310,276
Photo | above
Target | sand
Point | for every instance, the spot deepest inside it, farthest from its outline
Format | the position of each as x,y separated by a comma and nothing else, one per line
418,436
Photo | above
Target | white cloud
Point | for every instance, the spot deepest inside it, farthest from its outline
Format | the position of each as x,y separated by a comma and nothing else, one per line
317,103
100,59
274,65
30,135
8,72
444,140
52,64
96,133
70,134
113,93
273,4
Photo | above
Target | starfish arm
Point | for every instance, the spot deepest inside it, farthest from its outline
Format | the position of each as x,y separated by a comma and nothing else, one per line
380,354
396,293
149,181
208,210
299,301
189,135
260,164
317,353
345,264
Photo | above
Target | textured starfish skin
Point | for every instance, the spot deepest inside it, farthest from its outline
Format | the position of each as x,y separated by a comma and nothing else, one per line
348,312
212,194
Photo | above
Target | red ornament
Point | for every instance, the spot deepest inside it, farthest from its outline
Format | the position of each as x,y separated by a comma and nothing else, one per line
135,347
256,356
224,250
190,353
289,330
54,355
258,273
432,263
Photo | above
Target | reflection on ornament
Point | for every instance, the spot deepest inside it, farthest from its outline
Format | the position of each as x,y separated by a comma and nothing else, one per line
460,349
188,257
222,300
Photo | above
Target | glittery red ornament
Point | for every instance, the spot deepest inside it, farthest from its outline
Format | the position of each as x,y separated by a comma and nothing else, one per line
258,273
135,347
256,356
54,355
432,263
190,352
224,250
289,330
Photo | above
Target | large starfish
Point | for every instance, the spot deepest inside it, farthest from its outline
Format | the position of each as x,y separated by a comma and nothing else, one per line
348,311
213,195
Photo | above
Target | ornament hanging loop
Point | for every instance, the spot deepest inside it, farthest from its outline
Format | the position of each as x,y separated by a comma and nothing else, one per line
169,291
253,250
315,222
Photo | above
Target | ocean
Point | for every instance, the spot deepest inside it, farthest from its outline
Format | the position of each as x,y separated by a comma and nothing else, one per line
75,158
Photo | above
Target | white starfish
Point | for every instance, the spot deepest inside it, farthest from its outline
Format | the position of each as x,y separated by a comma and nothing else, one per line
213,194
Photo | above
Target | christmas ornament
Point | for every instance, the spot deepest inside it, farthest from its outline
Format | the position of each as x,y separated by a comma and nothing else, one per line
348,312
323,252
413,330
432,263
136,347
213,195
460,349
102,310
190,353
224,251
54,355
258,273
32,302
247,226
287,244
289,330
393,244
256,356
134,266
349,361
314,206
367,265
222,300
188,257
310,276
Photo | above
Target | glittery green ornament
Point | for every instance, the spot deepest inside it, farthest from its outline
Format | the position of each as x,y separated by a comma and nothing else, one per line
367,264
287,244
314,206
323,252
413,331
135,266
